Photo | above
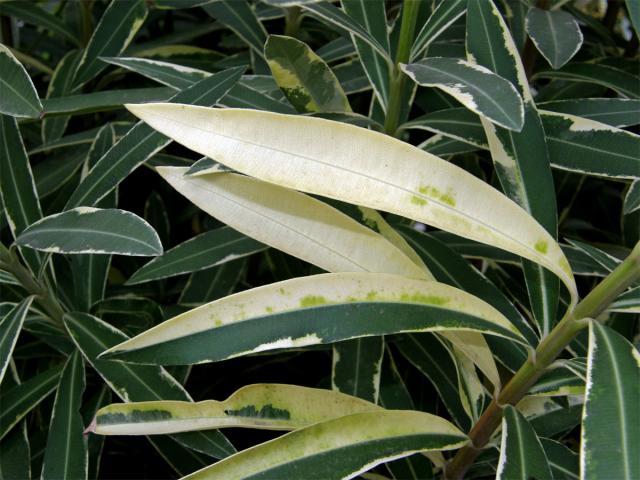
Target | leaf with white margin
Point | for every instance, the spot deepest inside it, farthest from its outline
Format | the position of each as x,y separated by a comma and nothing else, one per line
476,87
611,406
632,198
362,167
19,96
267,406
10,326
521,454
292,222
312,310
340,448
627,302
555,33
92,230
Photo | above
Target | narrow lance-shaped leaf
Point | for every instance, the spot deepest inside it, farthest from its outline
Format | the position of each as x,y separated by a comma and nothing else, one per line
611,403
292,222
340,448
562,460
447,12
142,142
118,25
361,167
555,33
17,186
617,112
476,87
36,15
134,382
209,249
15,450
262,406
93,230
61,84
305,79
356,367
309,311
521,158
521,454
19,97
66,452
10,326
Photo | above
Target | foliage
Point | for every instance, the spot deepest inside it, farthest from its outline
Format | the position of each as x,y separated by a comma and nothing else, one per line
405,233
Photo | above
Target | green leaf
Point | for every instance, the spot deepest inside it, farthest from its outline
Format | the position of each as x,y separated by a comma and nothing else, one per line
610,406
339,448
93,230
293,222
19,97
10,326
102,101
135,383
240,17
66,452
618,80
61,84
634,15
209,249
335,16
142,142
262,406
617,112
310,311
178,4
372,15
208,285
305,79
521,454
17,186
362,167
521,159
563,461
118,25
21,399
356,367
15,451
555,33
35,15
476,87
627,302
447,12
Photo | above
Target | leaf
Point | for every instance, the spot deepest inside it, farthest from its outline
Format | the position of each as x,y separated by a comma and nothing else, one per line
362,167
340,448
335,16
142,142
239,16
309,311
356,367
634,15
102,101
292,222
617,112
21,399
66,452
38,16
521,454
521,159
10,326
476,87
118,25
208,285
93,230
305,79
18,190
209,249
372,15
618,80
447,12
627,302
555,33
262,406
611,399
562,461
15,451
61,84
135,383
19,97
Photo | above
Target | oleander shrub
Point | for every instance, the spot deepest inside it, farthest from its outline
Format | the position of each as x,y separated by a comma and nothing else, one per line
298,239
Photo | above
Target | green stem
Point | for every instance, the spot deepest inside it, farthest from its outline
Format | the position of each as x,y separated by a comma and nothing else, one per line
292,20
49,304
396,85
547,351
87,21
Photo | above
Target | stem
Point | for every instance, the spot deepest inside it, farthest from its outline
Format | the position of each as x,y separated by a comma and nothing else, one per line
396,85
292,20
87,21
48,303
547,351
